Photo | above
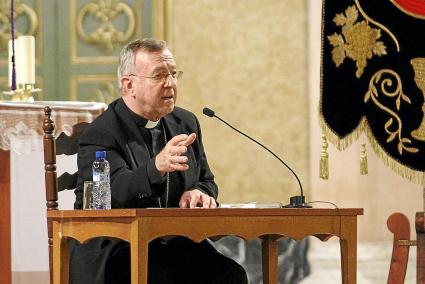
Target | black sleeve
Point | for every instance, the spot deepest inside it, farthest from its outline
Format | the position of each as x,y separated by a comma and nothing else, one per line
129,187
206,181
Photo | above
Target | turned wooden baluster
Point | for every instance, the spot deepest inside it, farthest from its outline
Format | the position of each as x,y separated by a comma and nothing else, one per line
50,177
420,241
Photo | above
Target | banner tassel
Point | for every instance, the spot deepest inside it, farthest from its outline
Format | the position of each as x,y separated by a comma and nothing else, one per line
363,160
324,159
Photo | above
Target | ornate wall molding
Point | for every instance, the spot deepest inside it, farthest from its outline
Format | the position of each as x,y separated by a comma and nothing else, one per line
162,12
103,88
22,12
106,35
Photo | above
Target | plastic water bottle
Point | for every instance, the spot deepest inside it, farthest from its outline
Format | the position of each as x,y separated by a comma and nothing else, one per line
101,187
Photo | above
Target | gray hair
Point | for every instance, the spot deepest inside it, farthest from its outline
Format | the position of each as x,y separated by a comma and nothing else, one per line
127,58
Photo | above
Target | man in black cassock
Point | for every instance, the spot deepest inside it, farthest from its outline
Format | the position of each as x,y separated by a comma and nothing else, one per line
157,159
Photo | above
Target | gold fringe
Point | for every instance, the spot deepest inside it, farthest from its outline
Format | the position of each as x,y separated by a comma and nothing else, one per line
324,159
340,143
363,160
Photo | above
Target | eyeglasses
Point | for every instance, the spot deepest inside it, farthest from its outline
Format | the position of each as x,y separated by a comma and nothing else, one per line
162,77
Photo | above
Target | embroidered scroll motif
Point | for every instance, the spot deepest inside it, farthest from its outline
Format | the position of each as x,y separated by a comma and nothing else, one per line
373,93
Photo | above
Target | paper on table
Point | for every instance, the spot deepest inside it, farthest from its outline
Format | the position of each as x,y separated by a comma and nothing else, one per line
252,205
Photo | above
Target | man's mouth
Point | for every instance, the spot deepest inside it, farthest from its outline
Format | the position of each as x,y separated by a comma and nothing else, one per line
167,97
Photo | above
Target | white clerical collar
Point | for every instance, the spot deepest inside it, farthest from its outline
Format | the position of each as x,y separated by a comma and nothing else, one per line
151,124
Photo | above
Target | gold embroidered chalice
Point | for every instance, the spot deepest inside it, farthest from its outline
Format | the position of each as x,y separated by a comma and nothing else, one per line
419,68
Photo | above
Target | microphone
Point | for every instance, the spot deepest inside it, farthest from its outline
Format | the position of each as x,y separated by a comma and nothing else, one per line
294,201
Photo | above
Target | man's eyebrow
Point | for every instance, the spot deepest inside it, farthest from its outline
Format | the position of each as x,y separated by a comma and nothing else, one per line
167,57
163,68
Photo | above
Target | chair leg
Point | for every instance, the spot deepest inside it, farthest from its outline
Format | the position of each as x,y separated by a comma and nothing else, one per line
420,257
60,257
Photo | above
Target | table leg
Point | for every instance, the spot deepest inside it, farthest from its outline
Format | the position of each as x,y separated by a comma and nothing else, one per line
5,237
139,255
269,248
348,244
60,257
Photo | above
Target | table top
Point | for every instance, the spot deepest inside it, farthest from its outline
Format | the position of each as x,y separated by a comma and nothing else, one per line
201,212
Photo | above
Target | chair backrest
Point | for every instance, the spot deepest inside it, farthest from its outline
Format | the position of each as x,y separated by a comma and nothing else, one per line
64,144
398,224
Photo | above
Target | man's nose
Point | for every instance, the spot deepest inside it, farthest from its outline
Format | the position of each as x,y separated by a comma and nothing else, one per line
170,81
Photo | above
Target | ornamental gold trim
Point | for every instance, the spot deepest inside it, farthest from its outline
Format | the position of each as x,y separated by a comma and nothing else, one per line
384,28
341,143
419,68
373,93
357,41
21,10
106,35
162,12
73,32
422,17
106,92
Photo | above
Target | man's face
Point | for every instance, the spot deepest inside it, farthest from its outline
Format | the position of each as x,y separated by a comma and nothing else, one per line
154,97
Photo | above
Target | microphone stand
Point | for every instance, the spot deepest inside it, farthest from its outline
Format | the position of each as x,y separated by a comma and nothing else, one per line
297,201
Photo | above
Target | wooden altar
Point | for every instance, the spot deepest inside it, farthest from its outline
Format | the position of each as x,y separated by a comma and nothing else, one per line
22,121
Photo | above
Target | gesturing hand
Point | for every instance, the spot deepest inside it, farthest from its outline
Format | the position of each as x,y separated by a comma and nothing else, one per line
195,197
172,157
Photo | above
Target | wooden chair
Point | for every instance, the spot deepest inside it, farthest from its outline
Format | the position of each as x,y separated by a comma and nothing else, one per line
398,224
64,144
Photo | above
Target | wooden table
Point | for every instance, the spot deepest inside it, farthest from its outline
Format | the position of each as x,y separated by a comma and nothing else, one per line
139,226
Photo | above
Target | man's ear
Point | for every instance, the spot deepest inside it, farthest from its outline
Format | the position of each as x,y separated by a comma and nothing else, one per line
128,85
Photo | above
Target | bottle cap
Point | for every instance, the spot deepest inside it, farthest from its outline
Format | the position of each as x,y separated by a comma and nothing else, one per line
100,154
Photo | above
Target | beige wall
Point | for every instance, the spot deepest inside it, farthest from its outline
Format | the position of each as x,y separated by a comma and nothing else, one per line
251,62
247,61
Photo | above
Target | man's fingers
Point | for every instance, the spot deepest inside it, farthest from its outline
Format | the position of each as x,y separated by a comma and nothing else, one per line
195,197
213,204
178,150
178,159
178,139
179,167
194,200
183,203
205,201
189,140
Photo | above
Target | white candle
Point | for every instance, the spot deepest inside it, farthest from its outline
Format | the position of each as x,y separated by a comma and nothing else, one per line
10,63
25,59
